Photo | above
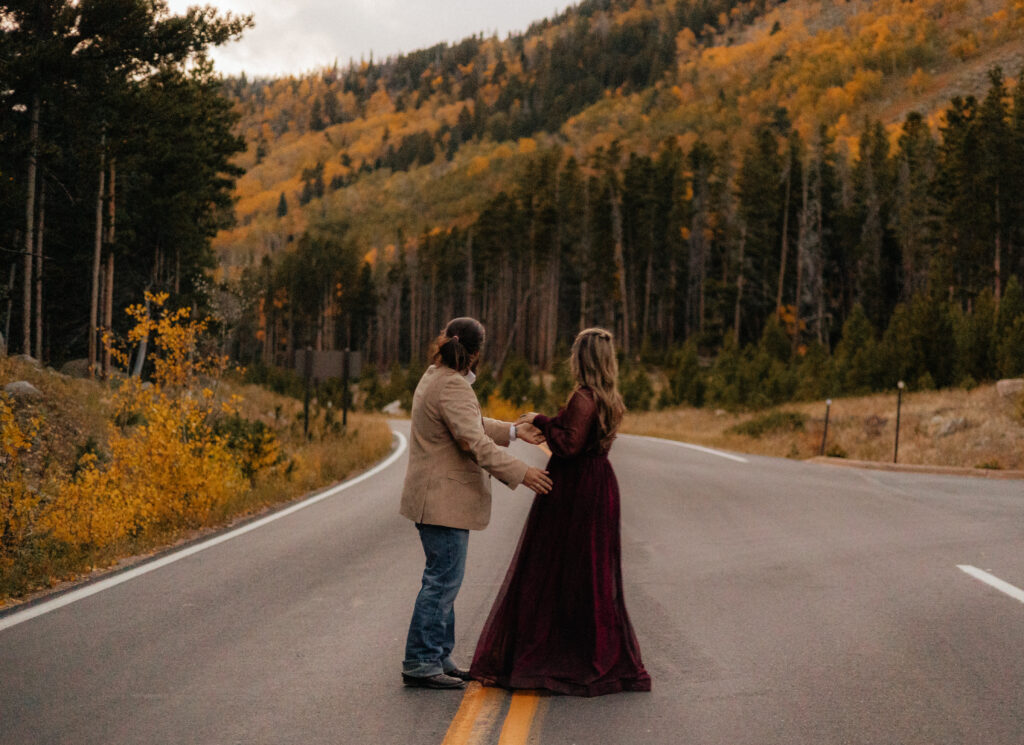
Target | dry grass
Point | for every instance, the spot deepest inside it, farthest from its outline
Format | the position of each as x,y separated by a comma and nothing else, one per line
864,427
319,463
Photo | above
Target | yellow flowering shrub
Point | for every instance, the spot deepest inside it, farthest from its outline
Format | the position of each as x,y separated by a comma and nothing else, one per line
176,456
169,467
503,409
17,503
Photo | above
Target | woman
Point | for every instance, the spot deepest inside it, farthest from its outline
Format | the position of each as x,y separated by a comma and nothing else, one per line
559,621
447,493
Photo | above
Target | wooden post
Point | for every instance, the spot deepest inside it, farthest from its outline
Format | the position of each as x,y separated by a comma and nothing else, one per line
344,390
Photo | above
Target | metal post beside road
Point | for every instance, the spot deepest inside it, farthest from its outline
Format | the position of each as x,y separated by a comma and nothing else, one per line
899,403
824,435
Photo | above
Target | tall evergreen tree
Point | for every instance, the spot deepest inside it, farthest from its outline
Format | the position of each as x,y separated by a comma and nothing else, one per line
914,216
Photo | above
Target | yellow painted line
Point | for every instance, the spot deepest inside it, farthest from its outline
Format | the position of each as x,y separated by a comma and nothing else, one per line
479,706
519,719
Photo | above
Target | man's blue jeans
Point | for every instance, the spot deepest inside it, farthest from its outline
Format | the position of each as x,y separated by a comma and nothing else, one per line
428,647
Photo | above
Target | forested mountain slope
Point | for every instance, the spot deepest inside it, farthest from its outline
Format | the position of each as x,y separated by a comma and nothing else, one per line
676,170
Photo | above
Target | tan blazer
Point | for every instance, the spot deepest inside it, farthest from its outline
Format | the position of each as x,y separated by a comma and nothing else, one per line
452,449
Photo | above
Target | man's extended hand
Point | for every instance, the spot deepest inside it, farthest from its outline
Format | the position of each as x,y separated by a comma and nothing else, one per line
529,433
537,480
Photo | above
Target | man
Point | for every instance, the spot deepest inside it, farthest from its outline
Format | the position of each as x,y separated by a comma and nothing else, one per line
453,451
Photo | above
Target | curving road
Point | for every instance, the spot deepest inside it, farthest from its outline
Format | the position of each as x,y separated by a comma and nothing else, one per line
774,601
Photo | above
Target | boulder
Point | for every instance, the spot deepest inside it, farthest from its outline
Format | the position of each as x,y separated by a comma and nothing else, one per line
940,426
1010,387
393,409
22,389
28,360
76,368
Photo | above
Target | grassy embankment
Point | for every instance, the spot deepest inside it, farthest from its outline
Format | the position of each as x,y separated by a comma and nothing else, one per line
45,480
969,428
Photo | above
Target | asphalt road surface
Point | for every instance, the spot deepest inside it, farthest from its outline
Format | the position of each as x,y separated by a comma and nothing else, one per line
774,601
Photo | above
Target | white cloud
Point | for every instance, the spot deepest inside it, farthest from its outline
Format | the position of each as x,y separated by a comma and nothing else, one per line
300,35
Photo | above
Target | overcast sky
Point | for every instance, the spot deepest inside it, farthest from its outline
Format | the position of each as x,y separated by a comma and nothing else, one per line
294,36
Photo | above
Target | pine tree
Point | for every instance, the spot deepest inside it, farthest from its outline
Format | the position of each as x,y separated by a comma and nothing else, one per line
1010,330
875,288
914,216
761,194
856,356
316,116
996,150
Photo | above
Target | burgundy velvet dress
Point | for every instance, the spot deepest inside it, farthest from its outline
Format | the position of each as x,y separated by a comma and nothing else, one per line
559,621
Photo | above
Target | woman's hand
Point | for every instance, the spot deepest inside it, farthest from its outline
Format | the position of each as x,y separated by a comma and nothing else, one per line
526,418
537,480
529,433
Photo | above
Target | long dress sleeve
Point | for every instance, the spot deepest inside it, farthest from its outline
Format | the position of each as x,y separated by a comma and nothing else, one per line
568,433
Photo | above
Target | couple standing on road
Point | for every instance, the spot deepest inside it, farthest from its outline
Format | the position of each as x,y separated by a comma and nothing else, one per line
559,621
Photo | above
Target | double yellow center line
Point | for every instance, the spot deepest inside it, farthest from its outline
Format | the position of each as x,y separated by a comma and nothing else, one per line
480,711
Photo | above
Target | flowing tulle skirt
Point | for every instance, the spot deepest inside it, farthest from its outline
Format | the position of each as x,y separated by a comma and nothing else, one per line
559,621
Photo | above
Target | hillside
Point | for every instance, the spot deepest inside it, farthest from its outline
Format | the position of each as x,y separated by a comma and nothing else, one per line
668,71
816,196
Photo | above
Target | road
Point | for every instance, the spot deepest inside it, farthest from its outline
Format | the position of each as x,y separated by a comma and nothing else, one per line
774,601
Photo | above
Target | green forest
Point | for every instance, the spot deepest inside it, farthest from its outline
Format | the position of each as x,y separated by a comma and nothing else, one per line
116,147
765,200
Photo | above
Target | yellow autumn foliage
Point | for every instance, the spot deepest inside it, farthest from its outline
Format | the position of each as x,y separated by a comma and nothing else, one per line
171,470
17,503
497,407
168,466
479,164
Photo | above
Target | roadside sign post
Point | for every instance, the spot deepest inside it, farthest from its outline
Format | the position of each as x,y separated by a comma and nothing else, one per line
344,391
319,365
824,435
899,403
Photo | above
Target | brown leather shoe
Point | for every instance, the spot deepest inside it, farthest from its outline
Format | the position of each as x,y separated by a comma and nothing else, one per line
433,681
458,672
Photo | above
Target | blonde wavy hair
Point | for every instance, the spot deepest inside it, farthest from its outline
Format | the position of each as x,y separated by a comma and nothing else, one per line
594,366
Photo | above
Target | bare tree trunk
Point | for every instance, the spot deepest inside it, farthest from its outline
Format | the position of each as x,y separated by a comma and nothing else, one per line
30,215
997,268
10,303
620,267
512,332
108,313
645,332
96,260
556,273
40,232
108,308
739,286
801,243
414,305
785,238
469,274
140,356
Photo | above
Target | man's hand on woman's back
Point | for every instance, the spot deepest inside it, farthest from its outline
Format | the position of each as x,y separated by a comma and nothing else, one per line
537,480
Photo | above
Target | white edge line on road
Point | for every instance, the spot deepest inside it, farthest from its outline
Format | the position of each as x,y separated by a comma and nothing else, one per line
91,589
719,453
1014,592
